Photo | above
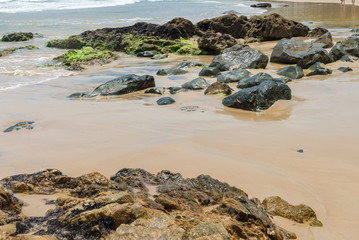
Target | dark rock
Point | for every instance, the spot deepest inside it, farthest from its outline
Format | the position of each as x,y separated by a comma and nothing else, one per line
175,90
254,80
165,101
234,48
209,72
355,30
262,5
8,202
196,84
78,95
317,32
17,37
300,213
156,90
293,72
318,69
233,76
160,56
218,88
147,54
179,69
300,151
7,51
296,51
282,79
246,58
20,125
214,43
122,85
259,97
346,58
176,28
348,46
325,40
72,42
345,69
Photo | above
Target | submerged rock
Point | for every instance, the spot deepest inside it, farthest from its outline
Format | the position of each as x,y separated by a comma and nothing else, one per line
17,37
348,46
165,101
196,84
20,125
296,51
293,72
11,50
254,80
300,213
160,56
174,90
218,88
123,85
233,76
259,97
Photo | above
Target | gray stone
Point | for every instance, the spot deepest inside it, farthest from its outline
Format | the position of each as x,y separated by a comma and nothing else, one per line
165,101
325,40
77,95
348,46
254,80
156,90
319,69
147,53
233,76
262,5
196,84
209,72
174,90
20,125
345,69
160,56
179,69
293,72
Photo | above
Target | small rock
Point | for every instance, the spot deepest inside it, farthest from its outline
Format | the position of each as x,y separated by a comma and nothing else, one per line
233,76
160,56
147,54
20,125
209,72
345,69
318,69
165,101
156,90
317,32
174,90
262,5
254,80
293,72
189,108
17,37
77,95
179,69
231,12
355,30
300,150
196,84
348,46
218,88
347,58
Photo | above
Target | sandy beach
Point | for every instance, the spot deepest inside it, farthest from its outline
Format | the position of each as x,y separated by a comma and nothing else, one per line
254,151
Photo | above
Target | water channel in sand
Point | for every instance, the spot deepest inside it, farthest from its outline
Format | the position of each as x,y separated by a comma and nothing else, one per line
256,152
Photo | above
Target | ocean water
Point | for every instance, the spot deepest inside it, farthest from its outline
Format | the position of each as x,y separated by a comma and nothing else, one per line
62,18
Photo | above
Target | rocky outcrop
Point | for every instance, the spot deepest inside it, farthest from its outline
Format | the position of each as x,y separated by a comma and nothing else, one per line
9,203
179,69
214,43
300,213
218,88
325,40
293,72
196,84
245,58
254,80
259,97
296,51
233,76
122,85
11,50
17,37
348,46
165,101
20,125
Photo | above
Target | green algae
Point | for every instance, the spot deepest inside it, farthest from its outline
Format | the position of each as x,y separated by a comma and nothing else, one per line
17,37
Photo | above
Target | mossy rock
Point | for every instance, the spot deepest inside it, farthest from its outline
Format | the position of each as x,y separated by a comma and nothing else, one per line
75,59
189,50
17,37
72,42
11,50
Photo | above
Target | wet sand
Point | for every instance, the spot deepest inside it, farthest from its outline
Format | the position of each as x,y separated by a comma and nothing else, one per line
256,152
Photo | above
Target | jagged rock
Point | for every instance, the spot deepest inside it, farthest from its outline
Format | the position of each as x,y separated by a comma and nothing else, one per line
296,51
319,69
348,46
214,43
207,229
218,88
167,204
17,37
209,72
147,54
233,76
293,72
317,32
122,85
262,5
179,69
245,58
8,202
196,84
160,56
259,97
325,40
300,213
165,101
254,80
160,227
345,69
156,90
20,125
177,28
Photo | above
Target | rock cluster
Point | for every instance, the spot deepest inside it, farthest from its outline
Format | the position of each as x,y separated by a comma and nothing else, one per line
135,204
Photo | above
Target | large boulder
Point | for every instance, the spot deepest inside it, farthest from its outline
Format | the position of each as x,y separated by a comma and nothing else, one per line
254,80
300,213
176,28
245,58
293,72
348,46
274,27
122,85
296,51
325,40
259,97
218,88
234,76
214,43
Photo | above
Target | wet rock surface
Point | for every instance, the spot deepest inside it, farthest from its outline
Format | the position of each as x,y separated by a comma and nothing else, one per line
259,97
293,72
345,69
233,76
122,207
218,88
196,84
209,72
254,80
262,5
348,46
317,32
325,40
11,50
318,69
20,125
156,90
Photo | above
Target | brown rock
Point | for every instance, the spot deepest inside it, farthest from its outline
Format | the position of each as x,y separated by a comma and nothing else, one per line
120,197
218,88
168,204
8,202
7,230
207,230
317,32
33,237
300,213
177,28
215,43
